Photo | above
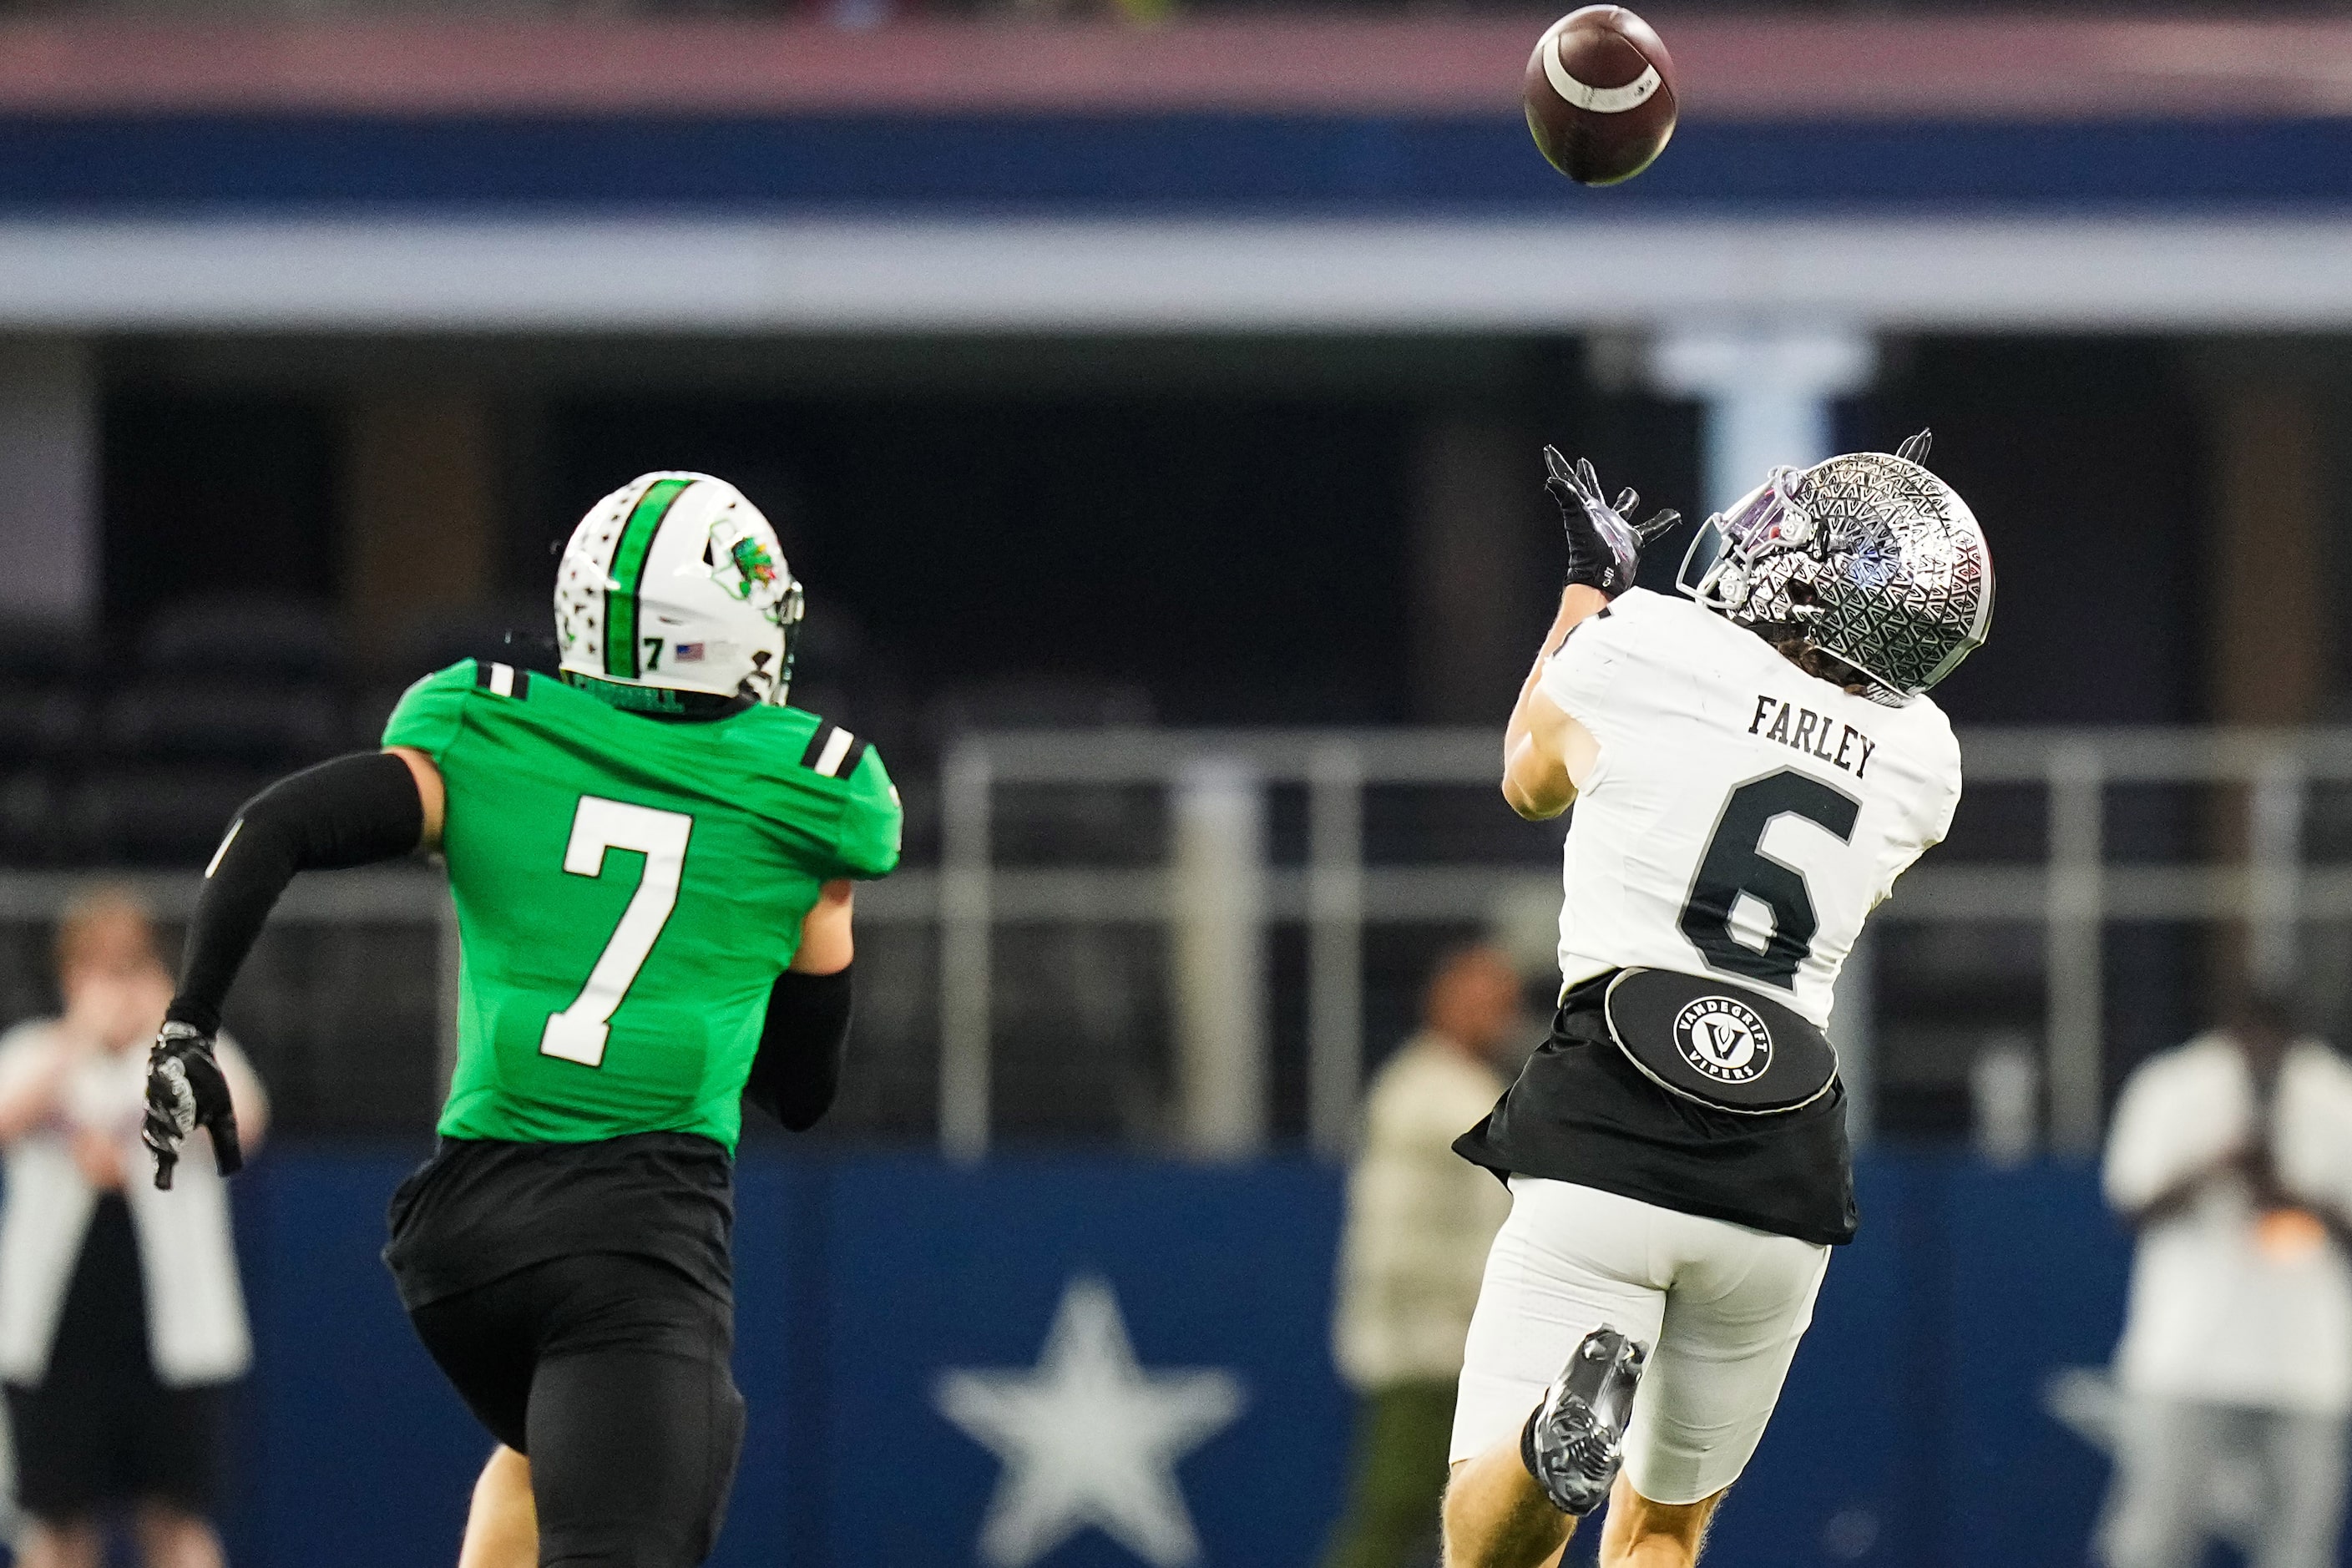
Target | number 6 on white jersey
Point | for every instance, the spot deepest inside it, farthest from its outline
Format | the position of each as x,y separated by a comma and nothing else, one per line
577,1034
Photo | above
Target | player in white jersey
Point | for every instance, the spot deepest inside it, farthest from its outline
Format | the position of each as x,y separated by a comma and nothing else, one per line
1752,767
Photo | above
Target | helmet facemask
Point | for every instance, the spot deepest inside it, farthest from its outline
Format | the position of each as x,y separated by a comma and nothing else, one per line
1742,561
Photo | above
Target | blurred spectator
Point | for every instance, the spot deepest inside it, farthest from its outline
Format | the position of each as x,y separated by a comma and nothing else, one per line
1420,1220
121,1323
2231,1156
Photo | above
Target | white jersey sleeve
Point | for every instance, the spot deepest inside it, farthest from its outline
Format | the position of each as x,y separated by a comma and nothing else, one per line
1743,817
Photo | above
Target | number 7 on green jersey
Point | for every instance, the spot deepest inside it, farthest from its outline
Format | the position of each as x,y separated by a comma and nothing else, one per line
578,1033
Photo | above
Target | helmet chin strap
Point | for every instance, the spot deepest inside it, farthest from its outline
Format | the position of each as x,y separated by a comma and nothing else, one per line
1724,588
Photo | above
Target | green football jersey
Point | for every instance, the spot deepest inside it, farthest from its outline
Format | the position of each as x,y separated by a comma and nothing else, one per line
628,891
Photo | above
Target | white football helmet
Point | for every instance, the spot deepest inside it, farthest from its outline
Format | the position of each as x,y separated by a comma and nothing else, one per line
676,582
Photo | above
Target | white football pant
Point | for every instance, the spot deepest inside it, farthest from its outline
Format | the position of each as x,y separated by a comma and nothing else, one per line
1719,1306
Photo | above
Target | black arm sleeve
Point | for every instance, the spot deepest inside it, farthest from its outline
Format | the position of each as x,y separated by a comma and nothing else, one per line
354,811
798,1069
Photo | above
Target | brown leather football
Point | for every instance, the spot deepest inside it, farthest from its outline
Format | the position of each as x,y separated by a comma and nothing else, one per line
1600,95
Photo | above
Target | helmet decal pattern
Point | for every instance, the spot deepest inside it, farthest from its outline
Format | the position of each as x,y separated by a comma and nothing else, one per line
753,562
1868,557
1904,583
742,562
620,656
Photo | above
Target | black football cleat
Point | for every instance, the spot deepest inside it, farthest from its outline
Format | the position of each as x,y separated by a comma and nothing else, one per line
1573,1444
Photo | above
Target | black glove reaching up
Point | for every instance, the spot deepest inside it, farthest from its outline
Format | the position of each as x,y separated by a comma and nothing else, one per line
1604,549
185,1091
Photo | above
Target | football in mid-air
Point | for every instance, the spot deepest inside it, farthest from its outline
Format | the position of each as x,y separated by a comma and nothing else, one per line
1600,95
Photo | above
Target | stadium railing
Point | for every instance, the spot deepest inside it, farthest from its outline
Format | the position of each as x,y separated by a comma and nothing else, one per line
2239,845
1195,939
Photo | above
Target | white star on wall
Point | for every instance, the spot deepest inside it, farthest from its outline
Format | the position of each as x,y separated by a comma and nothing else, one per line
1090,1438
2235,1496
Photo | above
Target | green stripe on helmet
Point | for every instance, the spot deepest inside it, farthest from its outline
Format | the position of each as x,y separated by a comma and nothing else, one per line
628,575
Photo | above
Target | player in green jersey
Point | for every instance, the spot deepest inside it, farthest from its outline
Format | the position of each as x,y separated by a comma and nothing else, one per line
652,860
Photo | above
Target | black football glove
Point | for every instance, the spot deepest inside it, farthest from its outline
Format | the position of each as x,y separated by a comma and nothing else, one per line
185,1091
1604,549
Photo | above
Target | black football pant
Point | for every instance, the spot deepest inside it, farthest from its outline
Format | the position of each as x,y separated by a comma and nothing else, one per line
611,1372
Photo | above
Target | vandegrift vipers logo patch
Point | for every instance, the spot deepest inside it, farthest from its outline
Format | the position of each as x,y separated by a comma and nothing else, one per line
1724,1038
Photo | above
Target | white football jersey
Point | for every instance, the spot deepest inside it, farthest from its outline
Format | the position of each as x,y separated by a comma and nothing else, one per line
1743,817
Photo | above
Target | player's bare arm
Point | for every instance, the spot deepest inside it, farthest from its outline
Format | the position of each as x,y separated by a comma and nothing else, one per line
432,795
1546,753
826,944
804,1042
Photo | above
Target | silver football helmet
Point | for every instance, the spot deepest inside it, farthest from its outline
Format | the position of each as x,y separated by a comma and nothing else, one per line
1868,557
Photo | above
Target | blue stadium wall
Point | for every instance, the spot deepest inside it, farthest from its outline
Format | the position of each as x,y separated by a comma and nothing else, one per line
1277,164
1915,1432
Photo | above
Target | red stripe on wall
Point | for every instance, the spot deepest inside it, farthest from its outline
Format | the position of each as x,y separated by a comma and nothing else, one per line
2002,67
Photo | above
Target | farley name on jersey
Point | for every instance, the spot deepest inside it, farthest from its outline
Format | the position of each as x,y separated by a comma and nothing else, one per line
1811,734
